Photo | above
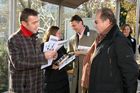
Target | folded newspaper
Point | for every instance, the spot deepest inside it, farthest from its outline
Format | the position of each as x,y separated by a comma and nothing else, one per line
65,60
52,44
82,49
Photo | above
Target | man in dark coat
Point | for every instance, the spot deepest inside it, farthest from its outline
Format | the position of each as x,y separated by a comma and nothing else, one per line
25,56
113,67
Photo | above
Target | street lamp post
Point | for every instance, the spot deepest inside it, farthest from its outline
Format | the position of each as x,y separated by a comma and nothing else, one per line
12,26
12,17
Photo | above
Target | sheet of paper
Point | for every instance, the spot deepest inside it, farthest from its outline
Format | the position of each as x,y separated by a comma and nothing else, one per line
47,65
52,44
53,38
83,49
66,62
62,42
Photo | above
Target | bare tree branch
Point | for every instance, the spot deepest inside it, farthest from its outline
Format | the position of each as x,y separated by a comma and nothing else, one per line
22,3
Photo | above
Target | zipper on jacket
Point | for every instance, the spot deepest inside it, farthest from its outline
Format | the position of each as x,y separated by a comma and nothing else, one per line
110,61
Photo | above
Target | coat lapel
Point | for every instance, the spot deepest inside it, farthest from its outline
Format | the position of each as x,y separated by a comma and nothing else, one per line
75,42
101,47
107,41
97,52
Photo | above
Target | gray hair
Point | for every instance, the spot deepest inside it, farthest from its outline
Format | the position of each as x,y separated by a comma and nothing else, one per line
107,13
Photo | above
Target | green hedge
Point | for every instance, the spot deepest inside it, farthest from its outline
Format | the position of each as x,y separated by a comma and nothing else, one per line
3,68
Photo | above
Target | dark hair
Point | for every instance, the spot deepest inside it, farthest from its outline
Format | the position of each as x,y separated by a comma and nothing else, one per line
26,13
51,31
125,25
107,13
76,18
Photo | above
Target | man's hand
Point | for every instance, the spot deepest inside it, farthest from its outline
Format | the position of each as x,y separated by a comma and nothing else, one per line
50,55
78,53
55,67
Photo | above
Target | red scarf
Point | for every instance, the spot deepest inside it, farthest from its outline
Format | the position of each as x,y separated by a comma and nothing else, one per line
25,31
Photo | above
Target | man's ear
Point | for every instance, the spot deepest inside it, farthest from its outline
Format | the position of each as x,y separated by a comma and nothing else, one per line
24,23
108,21
80,22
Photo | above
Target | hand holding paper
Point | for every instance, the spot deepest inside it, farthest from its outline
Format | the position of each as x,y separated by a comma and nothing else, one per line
65,60
50,49
50,54
55,67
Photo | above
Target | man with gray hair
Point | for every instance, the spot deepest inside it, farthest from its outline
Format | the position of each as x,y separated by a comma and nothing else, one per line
113,67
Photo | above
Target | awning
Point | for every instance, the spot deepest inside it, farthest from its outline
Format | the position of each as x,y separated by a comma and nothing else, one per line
67,3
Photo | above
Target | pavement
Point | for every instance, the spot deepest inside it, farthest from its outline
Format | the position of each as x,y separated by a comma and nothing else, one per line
138,89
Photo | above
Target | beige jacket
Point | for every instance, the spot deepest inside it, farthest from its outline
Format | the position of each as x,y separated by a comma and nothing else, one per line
86,40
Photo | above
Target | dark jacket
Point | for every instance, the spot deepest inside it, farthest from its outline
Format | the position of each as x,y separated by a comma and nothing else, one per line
56,81
113,69
133,43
